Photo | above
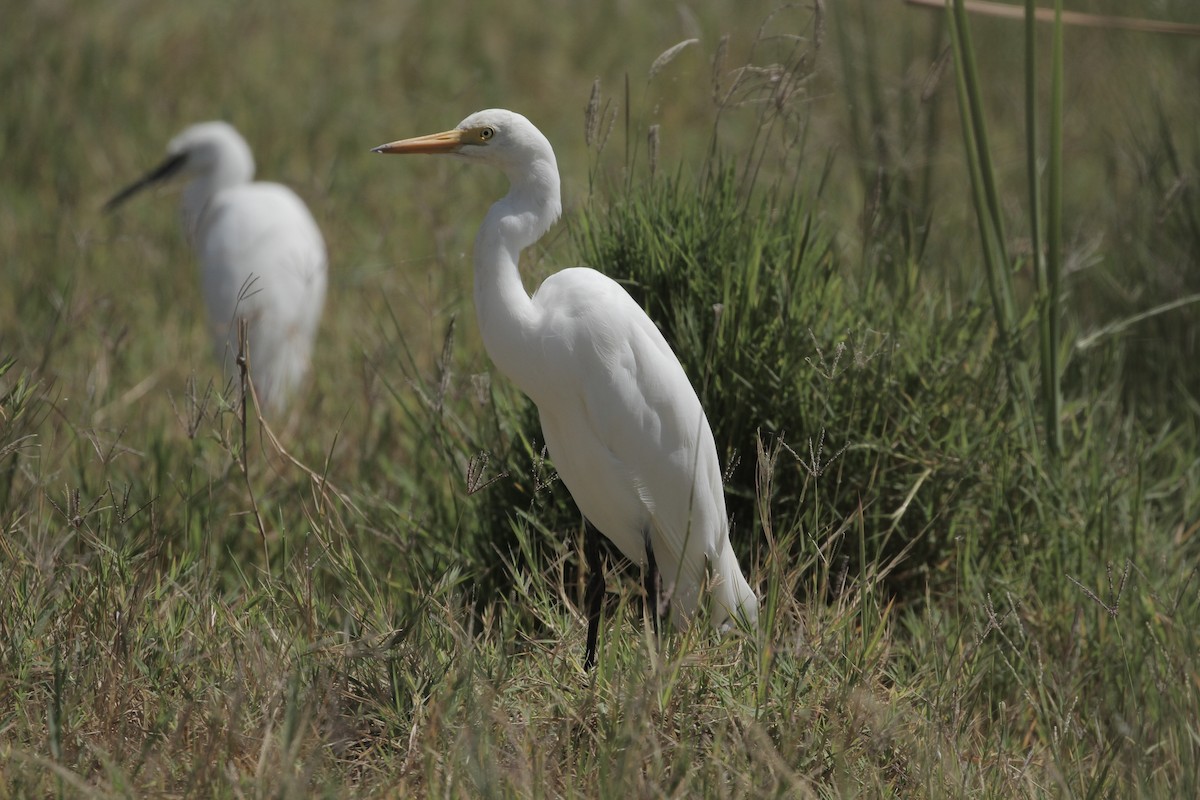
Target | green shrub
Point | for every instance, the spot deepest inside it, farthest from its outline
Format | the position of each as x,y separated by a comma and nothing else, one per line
866,400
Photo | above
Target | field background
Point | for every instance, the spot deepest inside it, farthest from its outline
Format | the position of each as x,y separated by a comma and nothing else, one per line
186,611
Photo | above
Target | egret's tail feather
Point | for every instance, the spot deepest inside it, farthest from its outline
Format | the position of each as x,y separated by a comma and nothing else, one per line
733,598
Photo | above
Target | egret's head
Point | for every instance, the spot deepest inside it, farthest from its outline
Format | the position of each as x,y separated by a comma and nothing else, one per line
494,136
207,146
207,149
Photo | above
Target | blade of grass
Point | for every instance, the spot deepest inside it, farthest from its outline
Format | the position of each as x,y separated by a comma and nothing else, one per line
1112,329
1031,175
1052,388
973,96
1048,294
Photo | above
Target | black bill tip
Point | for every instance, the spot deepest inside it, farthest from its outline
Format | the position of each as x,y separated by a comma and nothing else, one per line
160,173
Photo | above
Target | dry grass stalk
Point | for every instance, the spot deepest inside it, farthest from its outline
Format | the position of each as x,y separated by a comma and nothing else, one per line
668,55
591,115
1080,19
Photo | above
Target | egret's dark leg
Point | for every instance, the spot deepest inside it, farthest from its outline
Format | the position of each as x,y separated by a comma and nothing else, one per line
593,593
653,585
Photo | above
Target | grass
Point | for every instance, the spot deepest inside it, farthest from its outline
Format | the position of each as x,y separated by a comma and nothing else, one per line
949,607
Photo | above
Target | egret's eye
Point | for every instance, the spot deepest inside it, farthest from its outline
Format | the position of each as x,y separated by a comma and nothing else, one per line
486,133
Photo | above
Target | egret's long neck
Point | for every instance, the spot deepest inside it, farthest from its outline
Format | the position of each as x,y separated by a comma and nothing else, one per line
506,312
232,169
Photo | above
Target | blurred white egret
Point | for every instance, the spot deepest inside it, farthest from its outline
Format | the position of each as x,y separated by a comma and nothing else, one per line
621,421
262,258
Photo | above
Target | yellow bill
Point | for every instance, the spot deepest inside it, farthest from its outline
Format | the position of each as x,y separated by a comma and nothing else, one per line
445,142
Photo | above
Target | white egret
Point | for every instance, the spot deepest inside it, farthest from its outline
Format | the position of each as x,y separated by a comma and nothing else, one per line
262,257
621,422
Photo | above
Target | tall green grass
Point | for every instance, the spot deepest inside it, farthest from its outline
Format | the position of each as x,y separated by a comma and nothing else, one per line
1047,266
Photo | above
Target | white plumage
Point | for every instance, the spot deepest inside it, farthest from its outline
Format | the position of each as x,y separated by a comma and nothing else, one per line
261,256
622,423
